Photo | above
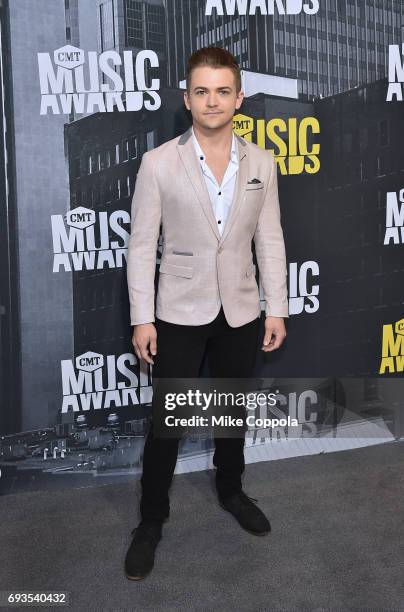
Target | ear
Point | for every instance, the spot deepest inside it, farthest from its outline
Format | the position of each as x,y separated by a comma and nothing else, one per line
240,98
186,101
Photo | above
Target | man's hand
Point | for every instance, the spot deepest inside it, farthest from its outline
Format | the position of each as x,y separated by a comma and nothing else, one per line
275,333
144,337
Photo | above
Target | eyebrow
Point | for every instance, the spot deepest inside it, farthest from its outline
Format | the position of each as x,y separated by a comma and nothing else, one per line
207,89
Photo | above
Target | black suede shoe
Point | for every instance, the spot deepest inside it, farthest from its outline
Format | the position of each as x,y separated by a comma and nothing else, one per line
139,560
249,516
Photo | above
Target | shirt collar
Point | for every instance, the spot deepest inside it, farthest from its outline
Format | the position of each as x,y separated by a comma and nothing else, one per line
200,153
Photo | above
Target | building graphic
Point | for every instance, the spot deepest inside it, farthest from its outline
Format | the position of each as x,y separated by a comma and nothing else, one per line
329,67
133,25
361,141
343,45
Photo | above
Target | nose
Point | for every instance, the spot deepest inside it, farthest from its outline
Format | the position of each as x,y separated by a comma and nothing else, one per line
211,100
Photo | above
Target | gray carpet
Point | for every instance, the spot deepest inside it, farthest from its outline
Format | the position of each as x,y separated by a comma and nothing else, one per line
337,540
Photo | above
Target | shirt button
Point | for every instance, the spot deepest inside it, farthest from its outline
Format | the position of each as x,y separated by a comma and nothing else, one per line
220,193
201,157
219,221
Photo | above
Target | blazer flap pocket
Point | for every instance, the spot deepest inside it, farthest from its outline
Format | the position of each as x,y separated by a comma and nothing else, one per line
185,271
250,270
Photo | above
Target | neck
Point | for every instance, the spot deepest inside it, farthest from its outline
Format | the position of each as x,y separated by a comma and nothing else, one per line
217,141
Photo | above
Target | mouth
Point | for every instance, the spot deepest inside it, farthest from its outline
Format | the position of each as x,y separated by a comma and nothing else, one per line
217,113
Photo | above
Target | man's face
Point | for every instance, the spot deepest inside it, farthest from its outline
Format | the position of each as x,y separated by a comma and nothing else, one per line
213,98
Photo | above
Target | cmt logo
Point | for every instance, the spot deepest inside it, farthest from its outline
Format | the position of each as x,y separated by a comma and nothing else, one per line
87,82
89,362
243,126
396,73
394,218
91,382
290,137
68,57
80,217
393,348
265,7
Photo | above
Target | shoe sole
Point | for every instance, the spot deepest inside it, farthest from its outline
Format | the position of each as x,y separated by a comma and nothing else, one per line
136,578
256,533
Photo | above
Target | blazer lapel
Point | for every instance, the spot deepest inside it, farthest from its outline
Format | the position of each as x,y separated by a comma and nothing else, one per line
190,160
240,187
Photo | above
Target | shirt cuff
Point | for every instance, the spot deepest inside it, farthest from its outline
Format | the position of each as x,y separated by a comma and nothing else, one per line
276,311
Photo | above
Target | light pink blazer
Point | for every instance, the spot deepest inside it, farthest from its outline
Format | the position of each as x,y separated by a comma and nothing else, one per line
199,269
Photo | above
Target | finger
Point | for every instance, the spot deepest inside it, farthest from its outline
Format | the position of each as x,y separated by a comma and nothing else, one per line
145,354
267,338
153,345
137,350
142,345
271,343
267,349
275,344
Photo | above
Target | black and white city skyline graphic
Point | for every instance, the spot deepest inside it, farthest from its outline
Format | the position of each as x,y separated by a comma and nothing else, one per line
328,69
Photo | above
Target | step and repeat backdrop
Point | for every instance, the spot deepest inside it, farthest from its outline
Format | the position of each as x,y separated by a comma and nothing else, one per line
87,86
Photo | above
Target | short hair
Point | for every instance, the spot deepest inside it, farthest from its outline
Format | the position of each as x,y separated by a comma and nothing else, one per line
215,57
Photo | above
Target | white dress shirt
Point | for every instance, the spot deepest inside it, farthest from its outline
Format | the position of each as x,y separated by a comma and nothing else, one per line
221,196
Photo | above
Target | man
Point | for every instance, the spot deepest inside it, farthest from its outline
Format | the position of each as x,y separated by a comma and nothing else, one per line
213,193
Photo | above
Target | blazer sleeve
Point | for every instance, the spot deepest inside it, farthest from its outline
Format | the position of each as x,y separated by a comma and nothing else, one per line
142,251
270,250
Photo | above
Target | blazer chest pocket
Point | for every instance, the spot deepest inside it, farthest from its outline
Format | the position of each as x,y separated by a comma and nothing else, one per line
184,271
255,186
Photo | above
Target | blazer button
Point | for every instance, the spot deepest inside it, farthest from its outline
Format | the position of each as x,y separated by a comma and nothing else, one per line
220,249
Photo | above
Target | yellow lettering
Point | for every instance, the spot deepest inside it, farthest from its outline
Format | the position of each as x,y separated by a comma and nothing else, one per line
288,141
305,124
275,138
296,164
391,346
315,165
293,139
400,363
387,363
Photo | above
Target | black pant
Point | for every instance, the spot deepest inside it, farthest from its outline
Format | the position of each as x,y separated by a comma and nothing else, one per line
231,353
